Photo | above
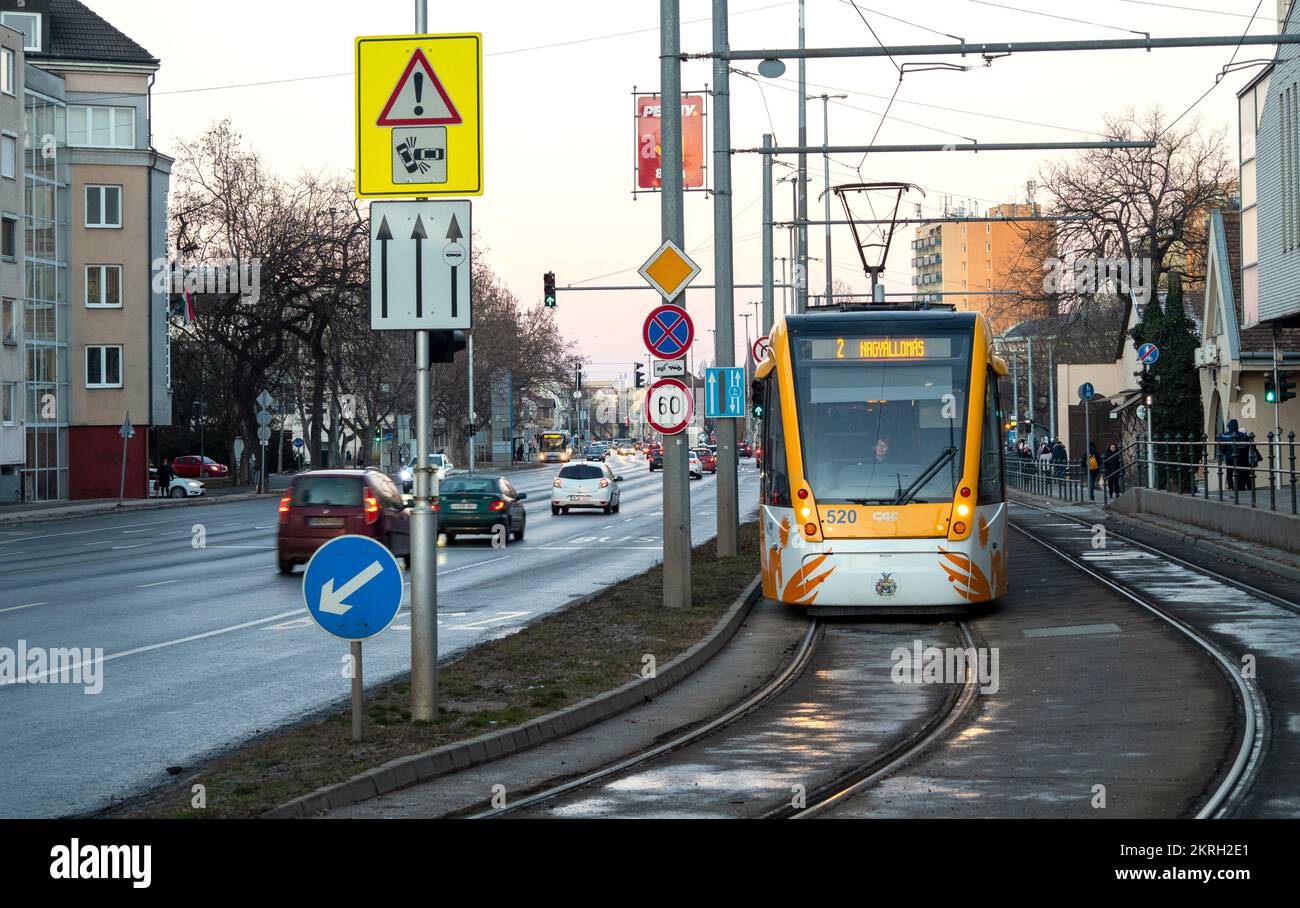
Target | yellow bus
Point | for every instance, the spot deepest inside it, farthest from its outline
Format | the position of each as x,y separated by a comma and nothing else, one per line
554,447
882,488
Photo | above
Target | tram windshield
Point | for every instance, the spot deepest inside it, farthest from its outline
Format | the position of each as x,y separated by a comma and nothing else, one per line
879,410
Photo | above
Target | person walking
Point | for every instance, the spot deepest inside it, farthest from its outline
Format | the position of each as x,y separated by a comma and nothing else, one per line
1093,464
1113,465
1059,459
164,478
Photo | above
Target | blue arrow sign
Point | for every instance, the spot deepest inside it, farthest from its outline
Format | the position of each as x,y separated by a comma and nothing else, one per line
724,396
1148,354
352,587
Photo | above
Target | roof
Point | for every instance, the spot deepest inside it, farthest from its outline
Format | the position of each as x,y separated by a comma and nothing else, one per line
73,31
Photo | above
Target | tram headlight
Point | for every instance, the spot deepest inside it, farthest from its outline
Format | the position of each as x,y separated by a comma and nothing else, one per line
963,510
806,512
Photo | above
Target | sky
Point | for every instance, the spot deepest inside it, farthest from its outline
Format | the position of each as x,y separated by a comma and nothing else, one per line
559,135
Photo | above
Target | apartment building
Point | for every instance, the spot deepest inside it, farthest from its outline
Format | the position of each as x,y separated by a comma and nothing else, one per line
12,350
97,191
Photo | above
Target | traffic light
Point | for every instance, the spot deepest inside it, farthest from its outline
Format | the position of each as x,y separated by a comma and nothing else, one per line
444,345
1148,387
638,375
1286,386
1270,391
378,435
548,289
756,396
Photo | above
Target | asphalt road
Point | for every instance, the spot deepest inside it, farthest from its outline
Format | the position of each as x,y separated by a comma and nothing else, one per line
206,647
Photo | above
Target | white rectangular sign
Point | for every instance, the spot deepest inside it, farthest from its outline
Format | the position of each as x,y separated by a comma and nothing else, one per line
670,368
420,265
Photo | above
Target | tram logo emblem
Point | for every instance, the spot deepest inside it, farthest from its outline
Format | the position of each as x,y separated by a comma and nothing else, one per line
886,586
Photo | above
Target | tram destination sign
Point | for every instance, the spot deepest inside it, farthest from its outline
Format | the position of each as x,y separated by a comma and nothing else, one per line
876,348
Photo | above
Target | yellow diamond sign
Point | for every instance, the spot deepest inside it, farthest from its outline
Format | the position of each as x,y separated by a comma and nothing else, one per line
669,270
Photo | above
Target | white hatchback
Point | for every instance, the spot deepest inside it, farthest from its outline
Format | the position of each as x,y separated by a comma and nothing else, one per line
585,485
695,469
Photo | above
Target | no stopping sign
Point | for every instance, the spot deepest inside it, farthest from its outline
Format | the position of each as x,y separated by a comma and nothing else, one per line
669,406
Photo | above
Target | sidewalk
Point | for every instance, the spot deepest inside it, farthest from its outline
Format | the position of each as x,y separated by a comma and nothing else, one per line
40,511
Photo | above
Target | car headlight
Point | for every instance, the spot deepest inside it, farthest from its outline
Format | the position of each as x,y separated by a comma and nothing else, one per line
406,476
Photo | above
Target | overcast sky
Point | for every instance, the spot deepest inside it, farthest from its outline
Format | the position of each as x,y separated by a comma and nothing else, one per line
558,132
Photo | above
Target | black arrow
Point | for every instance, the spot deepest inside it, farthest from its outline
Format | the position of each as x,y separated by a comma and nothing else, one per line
419,236
384,236
453,234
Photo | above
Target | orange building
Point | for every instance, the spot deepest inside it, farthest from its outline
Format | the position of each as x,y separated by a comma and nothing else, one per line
978,256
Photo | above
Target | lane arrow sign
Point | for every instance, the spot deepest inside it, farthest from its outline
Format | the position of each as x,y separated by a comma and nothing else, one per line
419,236
331,600
453,234
384,235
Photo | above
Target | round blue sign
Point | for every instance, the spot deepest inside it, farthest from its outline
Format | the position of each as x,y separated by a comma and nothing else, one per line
352,587
1087,391
297,442
1148,353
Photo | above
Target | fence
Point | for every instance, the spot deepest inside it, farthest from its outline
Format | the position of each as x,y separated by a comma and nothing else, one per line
1233,470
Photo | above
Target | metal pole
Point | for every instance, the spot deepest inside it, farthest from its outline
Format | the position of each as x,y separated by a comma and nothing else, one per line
469,348
826,196
723,295
676,495
121,489
1015,390
424,530
1151,450
1277,411
801,266
1051,387
803,148
1087,449
357,698
769,316
1029,378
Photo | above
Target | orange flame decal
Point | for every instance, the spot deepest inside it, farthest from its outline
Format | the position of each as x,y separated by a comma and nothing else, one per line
984,533
785,531
965,576
802,588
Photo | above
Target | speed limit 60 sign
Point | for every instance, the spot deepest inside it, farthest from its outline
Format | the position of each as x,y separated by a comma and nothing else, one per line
669,406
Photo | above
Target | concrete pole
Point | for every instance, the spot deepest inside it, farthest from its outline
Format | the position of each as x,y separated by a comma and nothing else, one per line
469,349
723,277
769,302
677,493
424,529
801,265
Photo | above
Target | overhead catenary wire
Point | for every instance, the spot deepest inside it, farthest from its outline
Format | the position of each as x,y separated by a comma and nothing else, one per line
1217,79
1034,12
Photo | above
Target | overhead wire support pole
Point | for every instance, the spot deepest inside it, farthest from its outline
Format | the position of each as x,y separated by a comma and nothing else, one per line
961,146
724,354
676,493
769,291
801,257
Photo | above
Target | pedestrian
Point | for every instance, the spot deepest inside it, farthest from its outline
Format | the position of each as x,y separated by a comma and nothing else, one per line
1113,464
1059,458
1238,455
1093,463
1045,457
164,478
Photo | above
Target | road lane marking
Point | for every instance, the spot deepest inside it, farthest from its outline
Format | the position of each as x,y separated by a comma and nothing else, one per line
145,586
18,608
266,547
136,546
463,567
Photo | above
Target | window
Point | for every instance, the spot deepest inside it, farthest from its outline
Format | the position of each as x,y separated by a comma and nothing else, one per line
991,482
103,206
775,488
104,286
104,367
8,156
7,71
9,238
988,247
9,327
101,127
27,23
9,403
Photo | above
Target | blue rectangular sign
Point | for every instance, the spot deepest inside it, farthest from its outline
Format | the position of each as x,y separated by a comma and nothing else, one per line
724,393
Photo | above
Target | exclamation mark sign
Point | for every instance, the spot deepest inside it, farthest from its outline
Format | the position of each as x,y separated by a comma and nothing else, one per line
419,94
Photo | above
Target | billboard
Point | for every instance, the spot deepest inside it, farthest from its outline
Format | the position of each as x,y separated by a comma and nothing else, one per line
647,141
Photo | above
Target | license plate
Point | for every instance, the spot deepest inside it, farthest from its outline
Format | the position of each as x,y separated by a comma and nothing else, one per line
464,507
580,498
325,521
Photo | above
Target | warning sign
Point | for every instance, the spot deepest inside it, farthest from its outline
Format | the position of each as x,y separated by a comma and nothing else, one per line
419,98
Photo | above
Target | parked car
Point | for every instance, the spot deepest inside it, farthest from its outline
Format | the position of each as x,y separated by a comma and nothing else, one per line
656,458
322,504
178,488
584,485
192,466
476,504
708,460
694,468
440,462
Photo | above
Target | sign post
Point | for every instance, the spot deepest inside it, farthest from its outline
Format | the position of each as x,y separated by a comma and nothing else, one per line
1086,394
264,404
353,590
127,431
1147,355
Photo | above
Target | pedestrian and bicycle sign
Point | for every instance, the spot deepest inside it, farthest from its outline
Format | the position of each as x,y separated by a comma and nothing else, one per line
724,393
1148,354
668,332
668,406
419,115
352,587
419,265
669,270
1087,391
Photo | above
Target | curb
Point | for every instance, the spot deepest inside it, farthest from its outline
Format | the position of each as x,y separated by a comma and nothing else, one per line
145,505
407,771
1213,548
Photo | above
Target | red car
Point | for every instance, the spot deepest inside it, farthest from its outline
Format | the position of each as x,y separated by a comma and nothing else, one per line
708,460
323,504
192,466
744,449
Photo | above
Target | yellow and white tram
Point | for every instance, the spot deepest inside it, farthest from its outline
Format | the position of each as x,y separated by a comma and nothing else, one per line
882,487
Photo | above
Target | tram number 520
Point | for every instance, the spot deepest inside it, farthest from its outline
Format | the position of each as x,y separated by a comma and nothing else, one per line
841,515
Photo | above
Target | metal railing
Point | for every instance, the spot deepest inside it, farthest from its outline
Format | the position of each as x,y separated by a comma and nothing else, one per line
1232,470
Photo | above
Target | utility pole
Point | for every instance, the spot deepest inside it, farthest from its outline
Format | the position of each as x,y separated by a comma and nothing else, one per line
801,257
826,196
424,527
473,420
769,303
677,494
724,353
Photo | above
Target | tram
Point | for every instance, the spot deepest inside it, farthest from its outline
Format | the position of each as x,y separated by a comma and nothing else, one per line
882,488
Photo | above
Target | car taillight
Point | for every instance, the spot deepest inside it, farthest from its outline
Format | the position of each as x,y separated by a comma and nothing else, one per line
372,507
284,508
497,506
434,506
604,483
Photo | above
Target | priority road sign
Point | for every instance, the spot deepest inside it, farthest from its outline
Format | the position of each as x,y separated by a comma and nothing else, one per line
419,115
352,587
669,270
1148,354
668,406
668,332
724,396
419,265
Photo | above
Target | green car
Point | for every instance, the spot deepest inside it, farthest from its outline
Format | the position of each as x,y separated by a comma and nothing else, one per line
474,505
